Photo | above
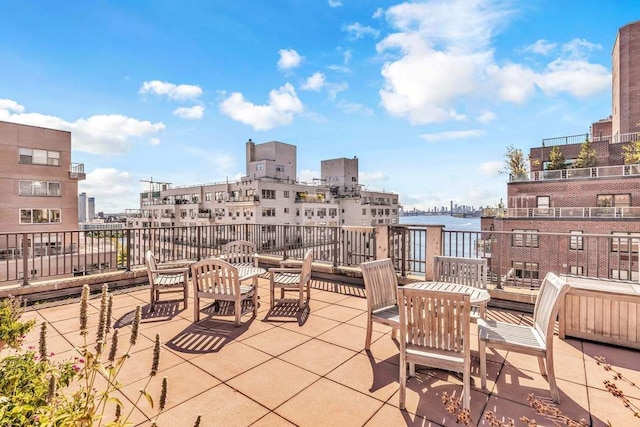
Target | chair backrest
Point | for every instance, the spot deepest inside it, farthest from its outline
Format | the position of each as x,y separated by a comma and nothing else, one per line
547,305
434,320
305,273
380,283
150,261
463,271
239,252
215,276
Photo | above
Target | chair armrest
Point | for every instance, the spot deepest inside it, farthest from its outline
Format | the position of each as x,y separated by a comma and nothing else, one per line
290,262
285,270
171,270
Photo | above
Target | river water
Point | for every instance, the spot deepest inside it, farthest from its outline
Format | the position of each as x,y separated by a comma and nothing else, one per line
451,223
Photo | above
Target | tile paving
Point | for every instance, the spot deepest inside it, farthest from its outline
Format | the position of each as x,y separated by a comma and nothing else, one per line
309,368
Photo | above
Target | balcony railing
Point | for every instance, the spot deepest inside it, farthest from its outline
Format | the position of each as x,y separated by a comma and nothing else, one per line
573,212
578,173
579,139
77,171
518,259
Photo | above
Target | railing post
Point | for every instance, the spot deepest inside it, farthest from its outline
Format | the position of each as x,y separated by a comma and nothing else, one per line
336,245
403,252
433,247
129,249
199,240
25,259
381,233
285,241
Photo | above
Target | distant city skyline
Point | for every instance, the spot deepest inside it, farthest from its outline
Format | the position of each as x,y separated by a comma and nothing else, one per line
427,95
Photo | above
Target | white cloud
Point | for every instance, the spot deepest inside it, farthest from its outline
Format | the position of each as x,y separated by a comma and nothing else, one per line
354,108
171,90
10,105
359,31
333,89
315,82
454,134
579,48
370,177
379,13
347,57
490,169
289,58
577,77
221,163
190,113
486,117
335,3
541,47
101,134
283,105
154,141
516,82
308,176
123,189
339,68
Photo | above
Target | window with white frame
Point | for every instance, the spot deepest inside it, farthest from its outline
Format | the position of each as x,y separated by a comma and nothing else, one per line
577,270
279,168
529,240
625,242
575,241
624,275
525,270
39,157
218,195
268,194
207,197
268,211
259,166
39,188
40,216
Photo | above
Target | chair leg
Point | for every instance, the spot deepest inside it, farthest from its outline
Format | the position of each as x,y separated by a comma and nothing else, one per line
196,308
238,310
412,369
394,332
367,342
301,297
466,387
403,381
272,294
551,377
543,370
153,302
186,296
255,302
482,349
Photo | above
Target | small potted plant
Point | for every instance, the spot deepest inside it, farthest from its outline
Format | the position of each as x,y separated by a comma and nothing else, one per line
12,329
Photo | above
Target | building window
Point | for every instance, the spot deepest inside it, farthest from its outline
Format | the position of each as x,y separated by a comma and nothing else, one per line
286,194
543,201
39,188
195,198
333,212
373,212
576,241
322,212
219,195
308,212
524,240
268,211
268,194
259,166
624,275
525,270
286,210
610,200
219,211
248,212
625,243
297,211
577,270
354,179
364,211
279,168
207,197
40,216
39,157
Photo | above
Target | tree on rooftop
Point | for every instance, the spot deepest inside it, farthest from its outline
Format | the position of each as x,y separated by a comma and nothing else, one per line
515,163
587,156
556,159
631,152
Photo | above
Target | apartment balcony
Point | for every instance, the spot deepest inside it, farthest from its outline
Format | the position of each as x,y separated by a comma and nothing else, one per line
309,367
77,172
579,139
246,200
578,173
628,212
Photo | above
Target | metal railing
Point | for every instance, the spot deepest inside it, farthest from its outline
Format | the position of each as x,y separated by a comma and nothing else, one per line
578,173
574,212
521,259
579,139
34,256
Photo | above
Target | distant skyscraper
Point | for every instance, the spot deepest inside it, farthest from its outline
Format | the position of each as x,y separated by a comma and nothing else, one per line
82,207
91,209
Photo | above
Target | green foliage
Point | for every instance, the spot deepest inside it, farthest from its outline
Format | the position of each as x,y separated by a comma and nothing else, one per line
37,391
631,152
556,159
587,156
12,329
515,163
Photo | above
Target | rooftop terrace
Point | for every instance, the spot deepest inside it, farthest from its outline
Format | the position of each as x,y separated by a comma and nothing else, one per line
287,367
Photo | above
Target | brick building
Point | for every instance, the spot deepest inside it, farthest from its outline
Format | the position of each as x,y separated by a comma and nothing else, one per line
600,200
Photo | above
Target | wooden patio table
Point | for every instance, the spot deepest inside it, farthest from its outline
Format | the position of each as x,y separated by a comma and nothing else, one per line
479,297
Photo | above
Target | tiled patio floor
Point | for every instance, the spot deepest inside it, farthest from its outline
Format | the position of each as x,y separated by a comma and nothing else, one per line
290,368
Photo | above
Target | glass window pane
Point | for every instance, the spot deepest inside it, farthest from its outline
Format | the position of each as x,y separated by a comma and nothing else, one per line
25,188
39,188
622,200
25,216
40,157
54,216
54,189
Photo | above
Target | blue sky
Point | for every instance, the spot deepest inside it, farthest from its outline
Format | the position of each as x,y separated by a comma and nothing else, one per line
427,94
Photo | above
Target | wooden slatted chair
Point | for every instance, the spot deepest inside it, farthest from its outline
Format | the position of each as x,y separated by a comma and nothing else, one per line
381,287
434,332
218,280
536,340
292,279
463,271
240,252
166,280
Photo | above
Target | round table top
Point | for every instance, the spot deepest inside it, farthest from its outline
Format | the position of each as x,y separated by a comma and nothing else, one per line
478,295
